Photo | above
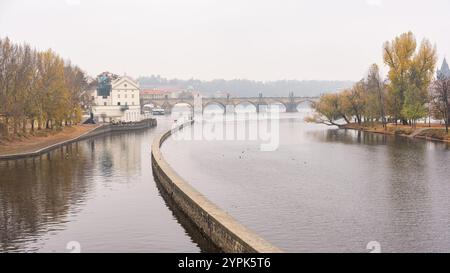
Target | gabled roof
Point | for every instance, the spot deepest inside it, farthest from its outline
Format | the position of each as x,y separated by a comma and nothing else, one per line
126,79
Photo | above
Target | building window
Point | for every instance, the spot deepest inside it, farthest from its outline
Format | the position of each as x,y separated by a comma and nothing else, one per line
125,85
125,95
118,103
104,103
132,95
132,103
118,96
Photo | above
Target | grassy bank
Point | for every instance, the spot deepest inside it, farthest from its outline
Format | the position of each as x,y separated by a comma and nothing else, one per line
425,131
435,134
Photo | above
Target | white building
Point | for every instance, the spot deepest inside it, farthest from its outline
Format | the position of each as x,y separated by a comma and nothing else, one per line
119,103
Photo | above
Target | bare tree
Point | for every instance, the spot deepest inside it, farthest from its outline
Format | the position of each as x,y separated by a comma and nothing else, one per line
376,86
440,94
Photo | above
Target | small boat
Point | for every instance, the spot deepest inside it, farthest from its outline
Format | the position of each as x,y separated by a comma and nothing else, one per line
158,111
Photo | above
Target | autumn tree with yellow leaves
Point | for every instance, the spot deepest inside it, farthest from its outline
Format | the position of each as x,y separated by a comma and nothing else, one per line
37,88
403,97
410,74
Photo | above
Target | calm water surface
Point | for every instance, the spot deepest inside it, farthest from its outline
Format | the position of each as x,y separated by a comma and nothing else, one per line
322,190
325,189
99,192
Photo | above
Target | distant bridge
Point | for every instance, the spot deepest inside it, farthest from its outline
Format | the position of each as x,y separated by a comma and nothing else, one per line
291,102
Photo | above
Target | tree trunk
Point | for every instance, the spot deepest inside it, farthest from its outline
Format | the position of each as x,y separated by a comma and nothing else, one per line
40,124
358,118
24,126
15,125
346,119
6,126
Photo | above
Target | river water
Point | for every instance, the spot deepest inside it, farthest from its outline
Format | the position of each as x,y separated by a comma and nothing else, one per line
325,190
98,192
322,190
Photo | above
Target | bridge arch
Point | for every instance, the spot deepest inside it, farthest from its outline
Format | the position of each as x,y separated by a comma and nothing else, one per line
290,103
278,102
180,105
213,102
243,104
150,104
190,104
300,103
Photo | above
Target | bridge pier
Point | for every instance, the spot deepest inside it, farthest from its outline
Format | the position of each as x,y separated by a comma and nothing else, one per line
291,108
229,109
167,109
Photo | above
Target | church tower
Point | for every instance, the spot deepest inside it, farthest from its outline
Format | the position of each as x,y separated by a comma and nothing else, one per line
444,71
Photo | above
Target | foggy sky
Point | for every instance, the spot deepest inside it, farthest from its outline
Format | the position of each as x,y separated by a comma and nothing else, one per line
207,39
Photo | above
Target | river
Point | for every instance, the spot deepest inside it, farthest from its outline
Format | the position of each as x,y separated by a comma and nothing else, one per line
99,193
324,189
321,190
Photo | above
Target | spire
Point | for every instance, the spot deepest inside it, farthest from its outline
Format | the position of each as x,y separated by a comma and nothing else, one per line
444,66
445,70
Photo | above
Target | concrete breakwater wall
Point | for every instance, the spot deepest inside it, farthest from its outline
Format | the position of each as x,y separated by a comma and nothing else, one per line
218,226
103,129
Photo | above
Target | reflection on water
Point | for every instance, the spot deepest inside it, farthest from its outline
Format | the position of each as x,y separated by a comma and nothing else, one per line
38,192
206,245
325,189
99,192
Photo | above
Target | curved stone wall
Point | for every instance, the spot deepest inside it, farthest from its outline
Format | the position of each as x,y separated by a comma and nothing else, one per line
222,229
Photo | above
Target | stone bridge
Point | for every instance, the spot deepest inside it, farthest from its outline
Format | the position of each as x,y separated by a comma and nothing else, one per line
291,102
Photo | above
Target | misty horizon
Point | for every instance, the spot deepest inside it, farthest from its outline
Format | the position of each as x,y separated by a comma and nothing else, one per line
206,40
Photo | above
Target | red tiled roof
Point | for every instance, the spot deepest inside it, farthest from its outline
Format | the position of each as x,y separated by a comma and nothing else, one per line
154,92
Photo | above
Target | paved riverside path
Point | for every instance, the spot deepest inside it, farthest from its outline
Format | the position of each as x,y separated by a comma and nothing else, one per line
33,144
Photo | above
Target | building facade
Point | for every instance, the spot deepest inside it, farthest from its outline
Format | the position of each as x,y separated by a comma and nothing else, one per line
116,99
155,94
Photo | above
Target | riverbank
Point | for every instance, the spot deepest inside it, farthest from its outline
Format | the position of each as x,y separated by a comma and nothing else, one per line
45,139
434,132
37,145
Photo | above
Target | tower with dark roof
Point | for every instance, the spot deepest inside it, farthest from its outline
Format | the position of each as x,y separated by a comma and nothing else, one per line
444,71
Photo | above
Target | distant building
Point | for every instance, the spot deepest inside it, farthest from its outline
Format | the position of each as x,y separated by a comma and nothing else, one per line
220,94
155,94
444,71
116,99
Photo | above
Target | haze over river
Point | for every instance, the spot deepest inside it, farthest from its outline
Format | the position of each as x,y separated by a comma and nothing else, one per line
323,190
